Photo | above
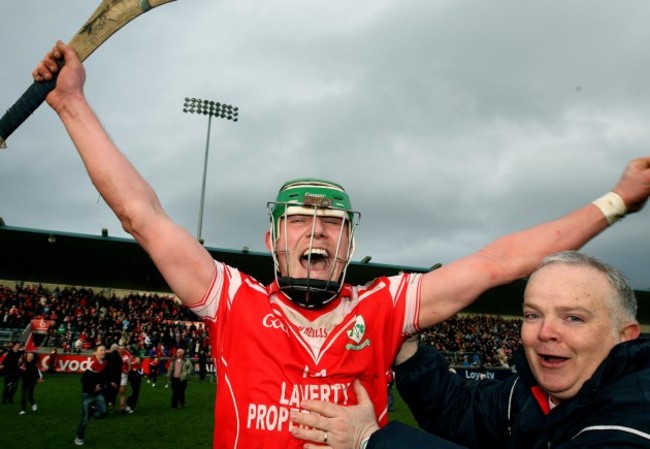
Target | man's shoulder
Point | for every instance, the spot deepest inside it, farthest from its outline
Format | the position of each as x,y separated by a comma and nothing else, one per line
224,268
394,283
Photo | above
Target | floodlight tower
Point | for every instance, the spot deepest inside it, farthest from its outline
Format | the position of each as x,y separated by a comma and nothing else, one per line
211,109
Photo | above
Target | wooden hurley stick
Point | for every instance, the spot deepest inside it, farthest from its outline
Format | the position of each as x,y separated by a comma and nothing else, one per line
110,16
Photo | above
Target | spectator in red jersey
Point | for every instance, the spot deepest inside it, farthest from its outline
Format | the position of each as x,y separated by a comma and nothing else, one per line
135,381
124,377
154,366
94,381
50,361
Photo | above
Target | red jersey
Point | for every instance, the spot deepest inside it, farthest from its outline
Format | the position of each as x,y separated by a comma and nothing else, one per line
270,353
136,364
126,362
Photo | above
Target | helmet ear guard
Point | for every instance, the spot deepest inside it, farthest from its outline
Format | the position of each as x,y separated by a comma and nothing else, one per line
317,198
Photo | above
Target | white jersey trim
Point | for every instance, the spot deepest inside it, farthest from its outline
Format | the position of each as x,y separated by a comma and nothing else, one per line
235,411
616,428
209,305
412,312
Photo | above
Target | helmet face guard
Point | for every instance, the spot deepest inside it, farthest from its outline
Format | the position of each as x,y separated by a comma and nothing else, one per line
315,198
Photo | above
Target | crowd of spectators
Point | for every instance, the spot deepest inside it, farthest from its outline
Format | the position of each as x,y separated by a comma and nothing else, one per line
156,325
147,324
475,340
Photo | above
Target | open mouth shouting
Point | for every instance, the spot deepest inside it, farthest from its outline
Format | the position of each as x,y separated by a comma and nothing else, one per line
316,260
551,361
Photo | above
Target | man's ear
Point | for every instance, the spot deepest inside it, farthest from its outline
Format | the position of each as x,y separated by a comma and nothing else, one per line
630,331
268,241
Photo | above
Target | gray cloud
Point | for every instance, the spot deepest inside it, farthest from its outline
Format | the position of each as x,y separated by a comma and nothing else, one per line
450,122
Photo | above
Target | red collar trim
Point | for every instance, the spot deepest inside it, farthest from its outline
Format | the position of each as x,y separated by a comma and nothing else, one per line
542,399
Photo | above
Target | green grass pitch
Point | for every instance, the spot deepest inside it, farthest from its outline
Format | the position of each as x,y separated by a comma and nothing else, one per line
153,425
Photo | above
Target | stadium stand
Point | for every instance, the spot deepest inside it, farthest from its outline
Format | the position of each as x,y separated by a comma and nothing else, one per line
126,300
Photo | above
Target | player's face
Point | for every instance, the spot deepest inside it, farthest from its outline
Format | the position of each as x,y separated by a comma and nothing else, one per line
568,328
307,246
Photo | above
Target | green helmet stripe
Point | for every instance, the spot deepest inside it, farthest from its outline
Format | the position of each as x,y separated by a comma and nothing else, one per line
311,193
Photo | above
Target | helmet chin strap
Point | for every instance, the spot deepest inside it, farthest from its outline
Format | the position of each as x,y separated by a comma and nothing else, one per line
309,293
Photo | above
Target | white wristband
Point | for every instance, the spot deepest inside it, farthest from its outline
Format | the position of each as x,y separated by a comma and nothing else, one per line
612,206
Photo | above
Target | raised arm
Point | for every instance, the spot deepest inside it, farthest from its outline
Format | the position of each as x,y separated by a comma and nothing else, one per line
453,287
184,263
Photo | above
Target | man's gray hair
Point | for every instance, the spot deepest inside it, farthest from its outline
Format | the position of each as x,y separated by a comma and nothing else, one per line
623,300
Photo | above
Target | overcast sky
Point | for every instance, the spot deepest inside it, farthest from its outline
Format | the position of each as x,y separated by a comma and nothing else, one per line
449,122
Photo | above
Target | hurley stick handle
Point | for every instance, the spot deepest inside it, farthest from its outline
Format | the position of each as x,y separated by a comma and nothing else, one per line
110,16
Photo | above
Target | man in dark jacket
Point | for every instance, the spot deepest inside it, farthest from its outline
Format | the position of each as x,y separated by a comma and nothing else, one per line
30,375
113,374
94,381
9,367
583,377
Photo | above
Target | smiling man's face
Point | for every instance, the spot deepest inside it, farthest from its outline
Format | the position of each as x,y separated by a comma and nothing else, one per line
568,328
